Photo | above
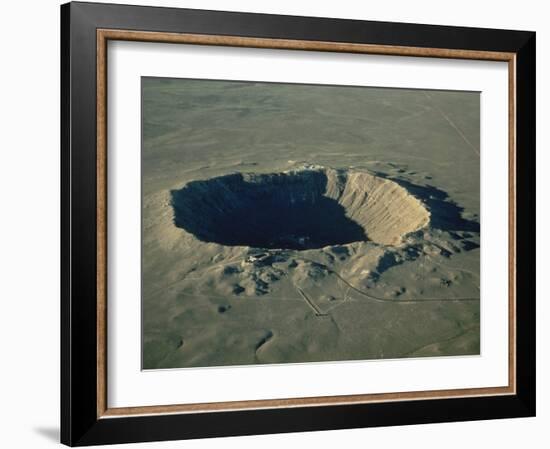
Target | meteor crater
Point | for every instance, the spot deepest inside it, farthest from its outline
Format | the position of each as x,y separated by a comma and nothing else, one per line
301,209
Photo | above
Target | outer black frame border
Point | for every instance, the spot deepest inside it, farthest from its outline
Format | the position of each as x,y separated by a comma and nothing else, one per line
79,423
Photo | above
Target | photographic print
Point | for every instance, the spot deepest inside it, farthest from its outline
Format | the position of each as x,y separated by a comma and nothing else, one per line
291,223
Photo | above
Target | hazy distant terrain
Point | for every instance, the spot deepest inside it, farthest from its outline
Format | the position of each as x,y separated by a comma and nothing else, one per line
291,223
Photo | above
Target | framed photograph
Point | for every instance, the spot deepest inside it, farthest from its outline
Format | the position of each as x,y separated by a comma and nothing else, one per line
280,224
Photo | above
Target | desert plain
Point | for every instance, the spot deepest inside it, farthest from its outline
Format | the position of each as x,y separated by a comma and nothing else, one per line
287,223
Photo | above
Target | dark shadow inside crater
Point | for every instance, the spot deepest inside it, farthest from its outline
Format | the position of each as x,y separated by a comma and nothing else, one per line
284,210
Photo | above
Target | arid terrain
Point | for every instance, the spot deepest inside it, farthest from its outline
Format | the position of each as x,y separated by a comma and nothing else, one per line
293,223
